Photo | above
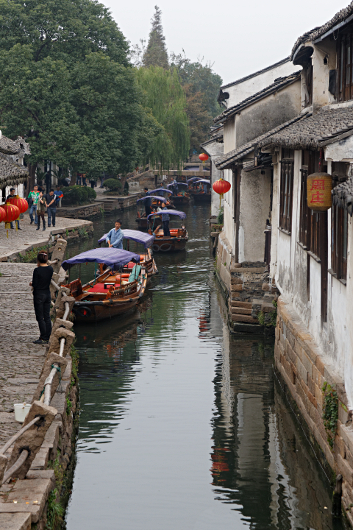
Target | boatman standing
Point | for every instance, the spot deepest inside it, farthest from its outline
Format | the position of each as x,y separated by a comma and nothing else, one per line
115,236
165,221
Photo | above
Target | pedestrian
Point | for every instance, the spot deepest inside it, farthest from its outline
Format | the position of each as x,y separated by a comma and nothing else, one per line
165,221
14,196
115,236
40,283
41,210
93,183
50,201
78,179
175,187
102,181
58,195
33,197
84,180
148,203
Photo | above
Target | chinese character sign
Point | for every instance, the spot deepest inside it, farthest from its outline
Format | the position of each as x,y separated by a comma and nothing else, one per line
319,186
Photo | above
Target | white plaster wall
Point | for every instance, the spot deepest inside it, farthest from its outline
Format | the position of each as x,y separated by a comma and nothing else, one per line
214,150
323,51
229,228
275,214
348,365
255,192
341,151
229,135
241,91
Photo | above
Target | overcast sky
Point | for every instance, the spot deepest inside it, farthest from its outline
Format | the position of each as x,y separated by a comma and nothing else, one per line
238,37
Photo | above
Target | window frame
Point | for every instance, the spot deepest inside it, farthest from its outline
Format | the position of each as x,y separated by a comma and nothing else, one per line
286,193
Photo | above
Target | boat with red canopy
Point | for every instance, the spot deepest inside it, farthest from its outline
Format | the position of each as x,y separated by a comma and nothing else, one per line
146,259
178,236
111,293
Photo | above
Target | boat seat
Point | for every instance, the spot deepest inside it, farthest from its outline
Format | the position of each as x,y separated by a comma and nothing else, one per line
103,287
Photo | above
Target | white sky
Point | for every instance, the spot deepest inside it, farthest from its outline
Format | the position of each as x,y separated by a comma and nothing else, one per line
237,37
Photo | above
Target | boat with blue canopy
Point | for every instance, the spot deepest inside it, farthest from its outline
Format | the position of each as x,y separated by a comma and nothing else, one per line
112,292
180,192
178,236
146,258
201,191
141,218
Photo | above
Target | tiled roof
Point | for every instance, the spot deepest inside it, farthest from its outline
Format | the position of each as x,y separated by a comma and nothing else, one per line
225,161
11,173
319,31
13,147
279,84
315,131
259,72
342,195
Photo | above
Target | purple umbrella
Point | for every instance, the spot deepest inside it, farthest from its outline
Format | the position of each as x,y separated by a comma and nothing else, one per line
112,257
182,215
134,235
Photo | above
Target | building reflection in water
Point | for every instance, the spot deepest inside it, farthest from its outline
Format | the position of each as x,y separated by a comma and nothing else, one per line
260,461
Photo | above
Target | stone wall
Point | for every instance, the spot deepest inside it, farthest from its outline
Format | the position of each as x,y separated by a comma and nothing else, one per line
305,370
250,296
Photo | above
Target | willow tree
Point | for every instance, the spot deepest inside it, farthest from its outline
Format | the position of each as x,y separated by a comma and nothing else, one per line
164,97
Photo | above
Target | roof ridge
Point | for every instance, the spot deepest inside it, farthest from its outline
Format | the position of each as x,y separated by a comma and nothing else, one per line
250,76
278,83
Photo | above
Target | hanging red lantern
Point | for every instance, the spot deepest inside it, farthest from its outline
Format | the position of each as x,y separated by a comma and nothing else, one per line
203,157
2,214
319,186
221,187
21,204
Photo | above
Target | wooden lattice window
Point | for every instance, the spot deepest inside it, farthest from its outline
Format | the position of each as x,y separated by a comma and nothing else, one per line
345,67
286,190
305,212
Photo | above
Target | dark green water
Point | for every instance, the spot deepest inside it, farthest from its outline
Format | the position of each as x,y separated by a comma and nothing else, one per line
182,426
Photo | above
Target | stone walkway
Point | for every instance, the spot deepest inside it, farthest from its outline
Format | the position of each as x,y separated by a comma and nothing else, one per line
20,360
20,240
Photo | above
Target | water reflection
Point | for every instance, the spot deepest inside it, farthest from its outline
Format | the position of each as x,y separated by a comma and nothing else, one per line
182,426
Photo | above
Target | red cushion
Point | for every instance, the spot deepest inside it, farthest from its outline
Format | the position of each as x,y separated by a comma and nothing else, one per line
99,288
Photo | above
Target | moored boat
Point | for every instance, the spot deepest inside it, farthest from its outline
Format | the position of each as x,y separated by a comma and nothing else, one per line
179,196
168,243
146,259
201,191
111,293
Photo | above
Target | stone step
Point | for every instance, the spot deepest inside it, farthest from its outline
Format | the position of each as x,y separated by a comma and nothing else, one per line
244,318
245,305
241,311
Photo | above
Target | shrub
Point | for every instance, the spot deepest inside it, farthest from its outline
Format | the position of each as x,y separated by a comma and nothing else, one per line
78,195
113,184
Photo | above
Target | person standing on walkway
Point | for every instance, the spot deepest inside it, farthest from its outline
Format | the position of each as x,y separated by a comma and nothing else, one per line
58,195
41,210
165,221
42,276
33,199
115,236
13,196
50,200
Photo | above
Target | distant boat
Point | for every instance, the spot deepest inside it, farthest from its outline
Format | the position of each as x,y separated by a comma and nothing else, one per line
113,292
179,197
146,259
178,236
200,190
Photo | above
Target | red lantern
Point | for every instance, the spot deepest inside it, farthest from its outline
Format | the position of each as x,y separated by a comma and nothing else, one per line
2,214
203,157
221,187
21,204
11,212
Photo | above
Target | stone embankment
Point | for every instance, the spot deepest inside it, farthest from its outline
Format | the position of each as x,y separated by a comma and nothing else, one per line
28,238
30,494
318,393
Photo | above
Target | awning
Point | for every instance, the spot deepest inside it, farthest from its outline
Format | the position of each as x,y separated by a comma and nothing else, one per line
112,257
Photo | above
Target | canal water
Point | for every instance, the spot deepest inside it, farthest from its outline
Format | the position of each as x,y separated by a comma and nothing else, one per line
182,426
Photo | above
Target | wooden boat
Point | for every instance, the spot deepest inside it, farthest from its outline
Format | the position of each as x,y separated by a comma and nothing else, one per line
179,197
111,293
146,259
198,192
141,219
178,236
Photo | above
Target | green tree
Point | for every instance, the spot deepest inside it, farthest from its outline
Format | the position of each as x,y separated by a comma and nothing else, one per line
165,99
67,86
156,51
